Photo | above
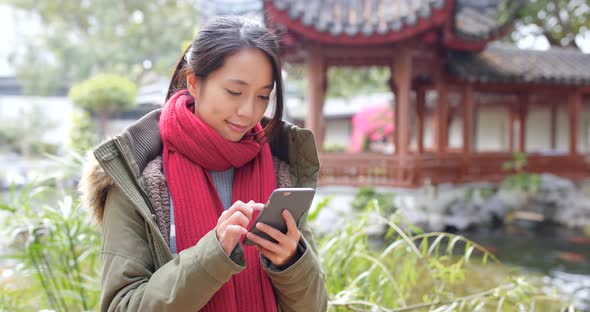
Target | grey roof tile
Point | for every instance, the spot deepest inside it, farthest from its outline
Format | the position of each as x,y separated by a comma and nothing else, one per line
354,17
501,62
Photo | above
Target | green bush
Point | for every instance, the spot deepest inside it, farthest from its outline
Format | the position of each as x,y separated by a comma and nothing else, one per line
104,92
369,198
520,179
104,95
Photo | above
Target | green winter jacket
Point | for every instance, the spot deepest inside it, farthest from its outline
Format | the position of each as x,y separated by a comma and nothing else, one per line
138,271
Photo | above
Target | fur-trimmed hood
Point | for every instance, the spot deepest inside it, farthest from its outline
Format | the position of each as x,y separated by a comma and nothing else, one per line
94,187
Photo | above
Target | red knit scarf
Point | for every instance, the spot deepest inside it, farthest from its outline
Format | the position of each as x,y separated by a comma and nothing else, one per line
191,150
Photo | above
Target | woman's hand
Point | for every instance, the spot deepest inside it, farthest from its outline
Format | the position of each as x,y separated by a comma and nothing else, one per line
284,250
233,223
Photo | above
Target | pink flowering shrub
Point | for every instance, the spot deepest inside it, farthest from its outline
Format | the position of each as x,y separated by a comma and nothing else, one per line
371,124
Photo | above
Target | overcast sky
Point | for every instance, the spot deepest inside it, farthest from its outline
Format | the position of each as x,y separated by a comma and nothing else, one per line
8,35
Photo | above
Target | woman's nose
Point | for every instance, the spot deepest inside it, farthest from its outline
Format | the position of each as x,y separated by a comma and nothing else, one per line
246,108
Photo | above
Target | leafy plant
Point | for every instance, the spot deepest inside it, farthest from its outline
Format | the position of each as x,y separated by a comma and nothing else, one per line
313,214
56,247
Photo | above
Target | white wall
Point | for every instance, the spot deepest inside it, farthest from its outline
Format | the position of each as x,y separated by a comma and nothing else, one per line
338,131
492,130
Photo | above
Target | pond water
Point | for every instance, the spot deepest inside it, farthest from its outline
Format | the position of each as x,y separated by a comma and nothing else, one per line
561,255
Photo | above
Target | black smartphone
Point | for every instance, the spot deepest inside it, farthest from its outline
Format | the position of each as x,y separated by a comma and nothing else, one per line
296,200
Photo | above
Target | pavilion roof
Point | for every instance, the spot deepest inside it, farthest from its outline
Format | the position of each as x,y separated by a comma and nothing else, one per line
385,21
501,62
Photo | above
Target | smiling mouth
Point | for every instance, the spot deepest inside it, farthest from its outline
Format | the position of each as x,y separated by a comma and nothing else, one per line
237,128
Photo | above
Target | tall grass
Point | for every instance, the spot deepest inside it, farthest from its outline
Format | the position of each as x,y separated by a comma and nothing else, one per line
421,272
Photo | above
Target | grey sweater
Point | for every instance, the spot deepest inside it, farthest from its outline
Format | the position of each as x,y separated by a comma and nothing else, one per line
223,182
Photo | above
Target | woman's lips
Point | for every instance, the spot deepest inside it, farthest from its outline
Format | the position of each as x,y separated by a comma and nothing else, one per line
237,128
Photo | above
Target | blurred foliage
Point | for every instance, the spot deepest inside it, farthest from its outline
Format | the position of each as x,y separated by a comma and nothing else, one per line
347,82
82,38
23,134
343,82
334,147
104,95
560,21
369,198
82,135
520,179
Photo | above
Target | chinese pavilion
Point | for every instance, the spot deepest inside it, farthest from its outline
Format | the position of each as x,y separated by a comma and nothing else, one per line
441,47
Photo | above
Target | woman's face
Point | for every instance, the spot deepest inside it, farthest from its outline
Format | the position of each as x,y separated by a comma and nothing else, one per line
233,99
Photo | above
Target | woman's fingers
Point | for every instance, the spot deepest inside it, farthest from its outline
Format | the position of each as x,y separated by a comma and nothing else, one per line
259,241
283,251
292,230
233,223
238,218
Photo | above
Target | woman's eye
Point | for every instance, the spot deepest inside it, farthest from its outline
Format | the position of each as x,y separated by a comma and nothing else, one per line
266,98
232,93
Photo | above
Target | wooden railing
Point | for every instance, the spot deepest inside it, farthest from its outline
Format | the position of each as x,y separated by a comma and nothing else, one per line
414,170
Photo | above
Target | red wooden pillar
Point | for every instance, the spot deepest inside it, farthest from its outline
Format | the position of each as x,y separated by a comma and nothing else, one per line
442,112
420,112
402,72
553,117
522,116
575,103
467,104
316,77
467,119
511,118
395,110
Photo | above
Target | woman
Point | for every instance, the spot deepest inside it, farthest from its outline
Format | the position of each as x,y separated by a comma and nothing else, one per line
176,192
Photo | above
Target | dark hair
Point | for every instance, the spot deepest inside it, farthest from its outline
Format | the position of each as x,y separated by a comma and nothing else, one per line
222,37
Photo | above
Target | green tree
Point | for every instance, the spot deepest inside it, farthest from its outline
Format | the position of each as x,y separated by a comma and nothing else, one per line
560,21
83,38
104,95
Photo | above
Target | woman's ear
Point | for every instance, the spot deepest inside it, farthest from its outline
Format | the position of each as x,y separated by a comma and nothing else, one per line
192,84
